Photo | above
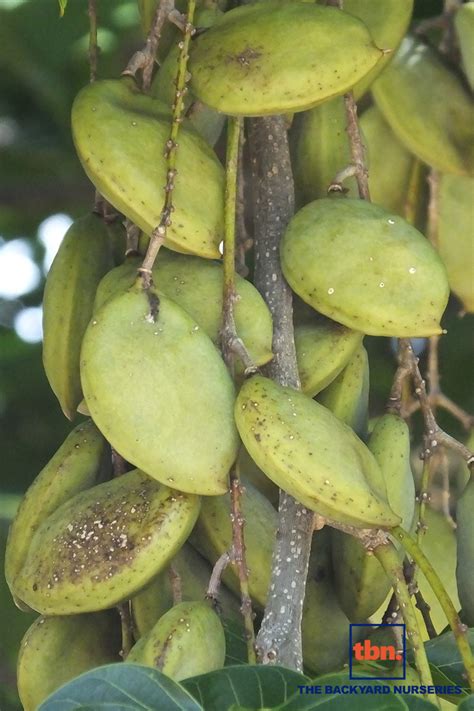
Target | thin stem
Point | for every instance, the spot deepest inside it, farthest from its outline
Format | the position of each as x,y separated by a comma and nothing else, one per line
158,235
93,46
388,557
127,629
176,588
144,59
216,575
243,243
458,628
279,639
356,146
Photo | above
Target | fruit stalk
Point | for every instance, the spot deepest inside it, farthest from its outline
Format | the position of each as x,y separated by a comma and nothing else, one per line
93,46
231,344
144,59
182,78
279,640
459,630
388,558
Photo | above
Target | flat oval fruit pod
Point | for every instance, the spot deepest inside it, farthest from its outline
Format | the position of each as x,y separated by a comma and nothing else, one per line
212,536
465,552
360,582
464,24
197,285
157,388
104,545
323,349
320,149
391,164
188,640
84,256
278,56
348,395
116,129
254,475
194,574
387,23
79,464
427,108
310,454
365,268
55,650
455,235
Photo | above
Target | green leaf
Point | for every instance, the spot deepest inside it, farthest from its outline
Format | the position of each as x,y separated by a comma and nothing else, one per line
62,7
121,687
440,679
249,686
444,658
235,642
467,704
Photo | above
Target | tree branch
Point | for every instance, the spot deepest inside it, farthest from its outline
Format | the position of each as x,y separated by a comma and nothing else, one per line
279,639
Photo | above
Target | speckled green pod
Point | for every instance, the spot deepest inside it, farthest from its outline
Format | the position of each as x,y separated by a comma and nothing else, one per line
253,474
361,583
348,395
320,149
365,268
455,237
84,256
104,545
325,627
278,56
55,650
465,552
79,464
388,186
427,108
196,285
188,640
323,349
464,24
194,574
212,536
116,129
387,23
157,388
312,455
208,122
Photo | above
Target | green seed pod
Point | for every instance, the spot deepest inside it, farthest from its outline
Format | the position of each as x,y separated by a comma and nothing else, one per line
197,286
417,85
465,552
188,640
365,268
361,583
55,650
278,56
391,164
194,574
387,23
254,475
320,149
455,237
207,122
104,544
116,129
309,453
158,389
79,464
348,395
464,24
212,536
85,255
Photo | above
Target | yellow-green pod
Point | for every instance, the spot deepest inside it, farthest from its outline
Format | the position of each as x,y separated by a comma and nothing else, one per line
464,24
427,108
103,545
308,452
157,388
320,150
455,237
465,552
391,164
116,128
55,650
365,268
188,640
279,56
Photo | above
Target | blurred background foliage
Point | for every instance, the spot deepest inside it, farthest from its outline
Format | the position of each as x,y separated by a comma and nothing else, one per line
43,64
